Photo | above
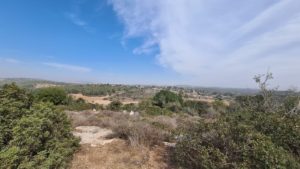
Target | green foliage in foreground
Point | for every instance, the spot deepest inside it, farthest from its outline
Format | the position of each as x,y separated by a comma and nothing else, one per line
32,135
246,136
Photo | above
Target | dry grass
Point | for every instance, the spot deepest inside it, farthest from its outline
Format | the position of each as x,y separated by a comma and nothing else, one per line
136,130
92,99
166,122
140,133
118,155
83,118
45,85
141,144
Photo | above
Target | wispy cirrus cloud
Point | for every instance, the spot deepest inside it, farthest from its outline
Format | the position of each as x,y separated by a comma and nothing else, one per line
9,60
218,38
75,16
76,20
67,67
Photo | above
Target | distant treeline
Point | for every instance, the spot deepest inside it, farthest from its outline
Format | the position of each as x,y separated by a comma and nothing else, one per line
95,89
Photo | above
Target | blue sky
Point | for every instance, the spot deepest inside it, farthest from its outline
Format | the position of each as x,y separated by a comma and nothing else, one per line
195,42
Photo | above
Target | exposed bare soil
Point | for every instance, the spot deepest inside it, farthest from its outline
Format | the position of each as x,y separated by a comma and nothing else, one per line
44,85
100,151
93,135
119,155
104,100
208,99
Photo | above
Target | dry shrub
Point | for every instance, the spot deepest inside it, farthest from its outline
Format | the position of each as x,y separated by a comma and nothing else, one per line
139,133
185,123
109,119
84,118
166,122
137,130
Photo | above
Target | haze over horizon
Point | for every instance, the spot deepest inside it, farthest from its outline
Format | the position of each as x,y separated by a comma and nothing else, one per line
221,43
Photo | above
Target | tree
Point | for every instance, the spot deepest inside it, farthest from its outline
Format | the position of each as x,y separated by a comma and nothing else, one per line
262,81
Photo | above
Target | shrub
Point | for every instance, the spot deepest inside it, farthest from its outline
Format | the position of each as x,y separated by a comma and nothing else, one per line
165,97
134,129
33,135
14,104
225,145
155,111
54,95
79,105
139,133
130,107
195,107
256,132
115,105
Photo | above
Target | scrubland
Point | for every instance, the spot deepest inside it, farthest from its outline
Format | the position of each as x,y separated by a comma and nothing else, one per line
165,128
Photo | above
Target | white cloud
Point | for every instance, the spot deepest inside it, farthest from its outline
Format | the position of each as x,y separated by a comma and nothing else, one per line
73,68
217,40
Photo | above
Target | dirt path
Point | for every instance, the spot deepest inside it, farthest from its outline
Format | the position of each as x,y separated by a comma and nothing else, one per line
93,135
118,155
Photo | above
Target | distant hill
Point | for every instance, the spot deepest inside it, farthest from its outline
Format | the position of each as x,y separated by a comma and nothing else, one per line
27,82
31,83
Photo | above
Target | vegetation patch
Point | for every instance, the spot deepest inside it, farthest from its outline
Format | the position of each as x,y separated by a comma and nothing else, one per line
33,134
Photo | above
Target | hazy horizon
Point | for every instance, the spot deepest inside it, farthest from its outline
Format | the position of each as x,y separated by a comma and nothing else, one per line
193,42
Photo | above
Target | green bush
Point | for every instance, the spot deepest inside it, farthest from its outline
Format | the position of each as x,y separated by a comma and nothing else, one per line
166,98
54,95
33,135
115,105
79,105
130,107
255,132
195,107
155,111
225,144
